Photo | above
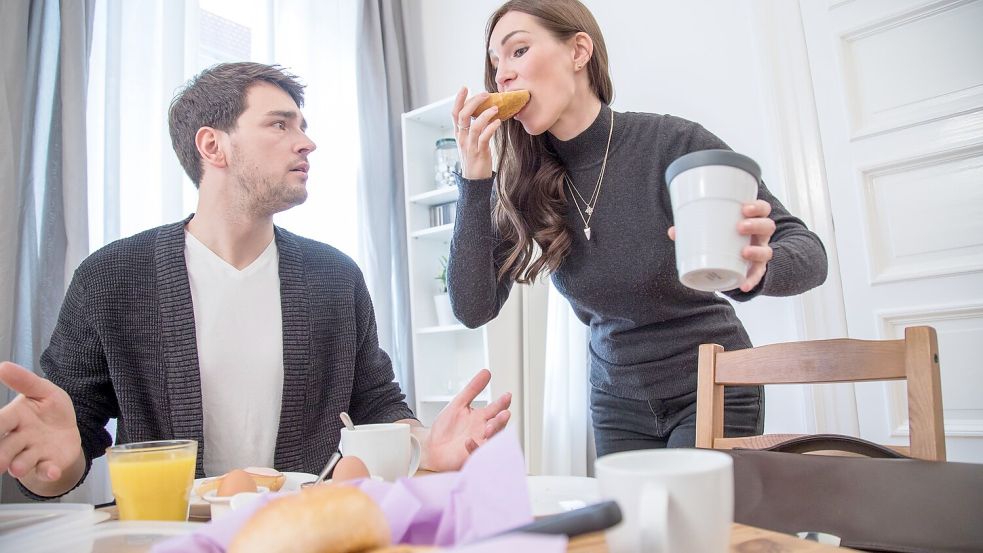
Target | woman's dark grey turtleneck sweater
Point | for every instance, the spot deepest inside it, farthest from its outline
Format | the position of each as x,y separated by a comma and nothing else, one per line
645,325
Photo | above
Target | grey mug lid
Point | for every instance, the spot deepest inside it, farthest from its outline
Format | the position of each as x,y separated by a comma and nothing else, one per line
712,157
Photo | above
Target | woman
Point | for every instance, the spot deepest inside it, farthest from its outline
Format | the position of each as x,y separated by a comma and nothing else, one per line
568,164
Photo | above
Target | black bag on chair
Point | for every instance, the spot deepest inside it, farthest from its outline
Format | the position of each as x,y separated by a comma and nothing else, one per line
875,504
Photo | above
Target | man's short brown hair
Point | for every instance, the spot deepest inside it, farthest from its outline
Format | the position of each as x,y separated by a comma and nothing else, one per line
216,98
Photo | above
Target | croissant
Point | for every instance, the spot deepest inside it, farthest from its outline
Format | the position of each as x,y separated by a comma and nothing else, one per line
509,103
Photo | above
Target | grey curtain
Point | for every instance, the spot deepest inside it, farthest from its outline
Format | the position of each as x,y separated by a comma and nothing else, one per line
383,96
46,49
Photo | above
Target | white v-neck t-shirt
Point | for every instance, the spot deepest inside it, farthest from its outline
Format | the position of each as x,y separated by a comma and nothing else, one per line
239,331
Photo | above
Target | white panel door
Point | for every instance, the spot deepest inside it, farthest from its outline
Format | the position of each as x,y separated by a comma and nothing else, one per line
899,94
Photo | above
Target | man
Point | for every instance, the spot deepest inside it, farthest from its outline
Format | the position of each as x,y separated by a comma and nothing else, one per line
221,328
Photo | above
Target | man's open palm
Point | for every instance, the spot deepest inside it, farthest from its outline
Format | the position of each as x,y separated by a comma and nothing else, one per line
38,430
459,429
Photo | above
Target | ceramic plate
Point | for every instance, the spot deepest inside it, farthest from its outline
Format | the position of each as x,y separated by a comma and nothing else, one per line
557,494
200,508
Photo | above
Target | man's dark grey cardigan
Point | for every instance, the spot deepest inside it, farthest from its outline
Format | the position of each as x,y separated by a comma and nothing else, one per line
124,347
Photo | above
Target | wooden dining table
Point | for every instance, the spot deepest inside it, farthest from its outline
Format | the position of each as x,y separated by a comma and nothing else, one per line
743,539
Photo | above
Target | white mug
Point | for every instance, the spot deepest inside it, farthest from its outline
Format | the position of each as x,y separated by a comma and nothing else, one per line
672,500
708,189
388,450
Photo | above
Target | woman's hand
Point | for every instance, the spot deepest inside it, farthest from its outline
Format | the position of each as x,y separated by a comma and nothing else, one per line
758,253
473,133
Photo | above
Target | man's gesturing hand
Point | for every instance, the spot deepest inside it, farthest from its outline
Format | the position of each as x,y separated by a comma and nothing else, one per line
39,437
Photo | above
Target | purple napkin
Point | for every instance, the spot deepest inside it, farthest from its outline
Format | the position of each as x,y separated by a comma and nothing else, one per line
486,497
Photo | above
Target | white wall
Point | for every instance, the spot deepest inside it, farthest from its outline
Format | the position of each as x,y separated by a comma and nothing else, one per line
695,60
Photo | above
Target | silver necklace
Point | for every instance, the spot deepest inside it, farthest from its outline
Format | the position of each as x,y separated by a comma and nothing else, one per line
590,205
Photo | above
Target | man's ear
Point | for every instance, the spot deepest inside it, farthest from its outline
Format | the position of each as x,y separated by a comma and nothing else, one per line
210,147
583,49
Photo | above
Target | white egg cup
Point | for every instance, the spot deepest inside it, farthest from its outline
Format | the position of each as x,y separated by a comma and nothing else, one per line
221,505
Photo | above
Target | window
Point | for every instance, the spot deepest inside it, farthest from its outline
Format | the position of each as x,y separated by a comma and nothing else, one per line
144,51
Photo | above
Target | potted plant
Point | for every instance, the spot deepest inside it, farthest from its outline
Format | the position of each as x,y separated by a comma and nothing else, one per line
442,301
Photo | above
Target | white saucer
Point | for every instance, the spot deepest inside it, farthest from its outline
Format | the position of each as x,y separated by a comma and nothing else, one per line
557,494
200,507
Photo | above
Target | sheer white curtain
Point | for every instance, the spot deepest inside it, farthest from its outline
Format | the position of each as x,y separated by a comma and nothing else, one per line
144,50
44,46
383,94
568,443
137,61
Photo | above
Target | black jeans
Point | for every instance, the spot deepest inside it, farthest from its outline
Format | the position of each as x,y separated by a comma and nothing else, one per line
626,424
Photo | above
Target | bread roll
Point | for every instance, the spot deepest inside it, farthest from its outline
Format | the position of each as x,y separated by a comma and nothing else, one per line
319,519
509,103
406,549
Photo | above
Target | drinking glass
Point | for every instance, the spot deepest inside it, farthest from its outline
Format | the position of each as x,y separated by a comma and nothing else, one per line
152,480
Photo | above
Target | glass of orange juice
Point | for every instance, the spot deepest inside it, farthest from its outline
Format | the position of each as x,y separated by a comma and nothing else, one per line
152,480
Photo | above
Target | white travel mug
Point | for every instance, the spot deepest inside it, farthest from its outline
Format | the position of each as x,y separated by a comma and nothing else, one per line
707,190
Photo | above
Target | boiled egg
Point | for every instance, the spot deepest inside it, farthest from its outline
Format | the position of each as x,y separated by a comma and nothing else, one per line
236,481
349,468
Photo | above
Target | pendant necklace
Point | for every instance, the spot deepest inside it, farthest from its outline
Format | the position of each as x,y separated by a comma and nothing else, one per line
589,205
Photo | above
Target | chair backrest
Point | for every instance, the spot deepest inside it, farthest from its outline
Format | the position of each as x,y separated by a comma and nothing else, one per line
915,359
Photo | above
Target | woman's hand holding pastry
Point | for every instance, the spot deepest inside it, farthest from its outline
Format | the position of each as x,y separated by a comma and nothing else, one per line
473,133
758,253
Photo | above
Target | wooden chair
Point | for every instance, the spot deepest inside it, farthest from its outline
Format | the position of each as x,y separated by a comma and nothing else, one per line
915,358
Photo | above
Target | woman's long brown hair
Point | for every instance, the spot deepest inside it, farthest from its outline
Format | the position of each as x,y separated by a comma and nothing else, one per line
531,203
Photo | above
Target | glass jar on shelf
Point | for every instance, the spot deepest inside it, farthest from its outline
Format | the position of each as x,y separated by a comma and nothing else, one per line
446,162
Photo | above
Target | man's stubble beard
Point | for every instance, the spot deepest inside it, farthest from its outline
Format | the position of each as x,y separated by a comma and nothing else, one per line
261,194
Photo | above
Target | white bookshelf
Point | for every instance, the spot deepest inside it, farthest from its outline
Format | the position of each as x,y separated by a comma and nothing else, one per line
441,234
434,197
446,357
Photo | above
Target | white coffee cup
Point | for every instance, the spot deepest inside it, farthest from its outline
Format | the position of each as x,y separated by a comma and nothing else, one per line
678,500
388,450
707,190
